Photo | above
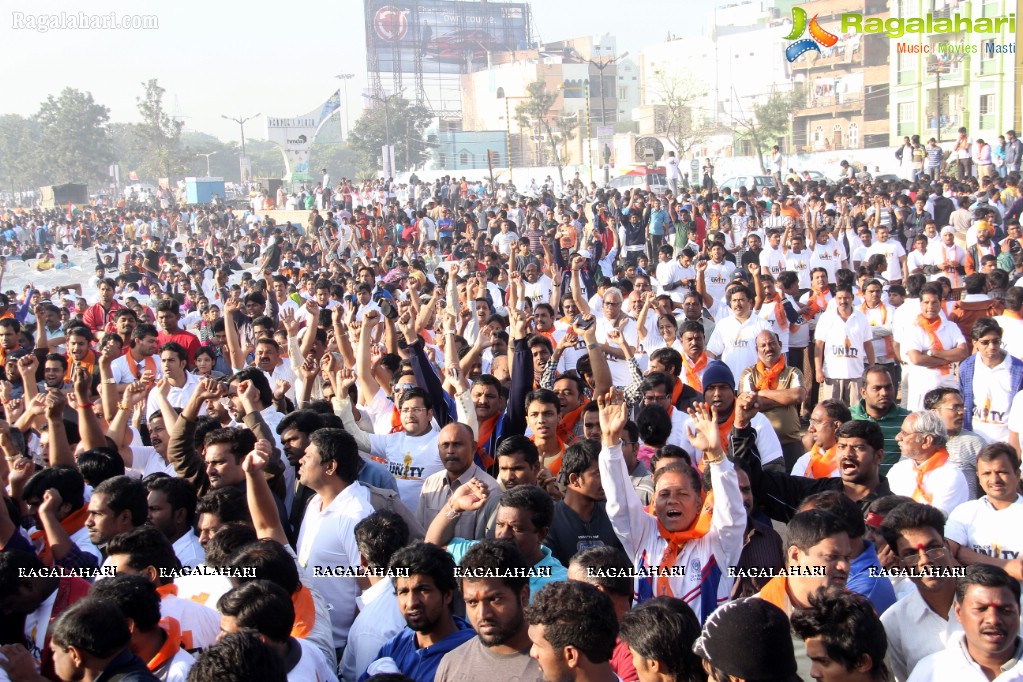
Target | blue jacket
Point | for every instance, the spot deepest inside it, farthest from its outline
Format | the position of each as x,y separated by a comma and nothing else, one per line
966,370
421,664
878,589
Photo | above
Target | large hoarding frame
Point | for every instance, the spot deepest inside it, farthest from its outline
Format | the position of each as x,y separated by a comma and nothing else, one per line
420,48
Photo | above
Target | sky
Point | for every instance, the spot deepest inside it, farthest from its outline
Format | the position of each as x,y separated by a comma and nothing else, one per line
232,59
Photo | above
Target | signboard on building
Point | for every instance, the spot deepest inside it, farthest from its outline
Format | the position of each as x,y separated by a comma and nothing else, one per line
295,135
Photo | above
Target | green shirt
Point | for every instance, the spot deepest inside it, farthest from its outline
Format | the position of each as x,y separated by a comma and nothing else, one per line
890,425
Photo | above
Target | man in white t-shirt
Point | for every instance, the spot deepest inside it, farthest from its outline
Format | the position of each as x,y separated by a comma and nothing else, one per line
734,340
930,347
410,454
266,608
797,258
925,471
1011,322
894,253
772,258
989,530
989,380
843,341
714,274
330,467
827,253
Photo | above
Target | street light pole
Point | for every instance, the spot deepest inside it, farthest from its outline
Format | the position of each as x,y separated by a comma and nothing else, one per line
507,122
207,161
344,78
241,122
600,66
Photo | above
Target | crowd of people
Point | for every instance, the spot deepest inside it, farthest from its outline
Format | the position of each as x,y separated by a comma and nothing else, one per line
447,431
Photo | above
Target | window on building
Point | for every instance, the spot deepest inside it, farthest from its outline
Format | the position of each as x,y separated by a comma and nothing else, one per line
818,135
443,159
987,50
854,135
987,104
500,93
463,159
623,93
836,136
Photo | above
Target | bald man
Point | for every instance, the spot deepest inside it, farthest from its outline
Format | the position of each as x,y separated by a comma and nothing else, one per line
457,448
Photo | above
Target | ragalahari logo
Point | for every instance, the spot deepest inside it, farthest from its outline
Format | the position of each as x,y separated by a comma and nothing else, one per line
818,36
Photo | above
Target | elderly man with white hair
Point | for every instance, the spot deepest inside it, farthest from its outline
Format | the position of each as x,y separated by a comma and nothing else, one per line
925,472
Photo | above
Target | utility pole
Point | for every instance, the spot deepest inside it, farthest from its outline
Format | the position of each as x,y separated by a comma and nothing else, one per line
244,157
344,78
207,161
600,65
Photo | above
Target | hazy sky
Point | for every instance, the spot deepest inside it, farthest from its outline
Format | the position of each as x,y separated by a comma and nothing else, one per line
238,59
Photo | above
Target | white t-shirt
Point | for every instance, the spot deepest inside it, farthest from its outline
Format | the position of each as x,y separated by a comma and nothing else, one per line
992,398
311,666
716,278
773,260
802,467
844,344
123,375
799,263
946,485
827,256
410,459
880,317
769,314
735,343
540,290
1012,335
892,251
327,539
923,379
768,444
978,526
620,374
669,272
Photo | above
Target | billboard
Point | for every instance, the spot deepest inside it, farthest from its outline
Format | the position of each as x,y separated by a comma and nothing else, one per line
419,48
295,135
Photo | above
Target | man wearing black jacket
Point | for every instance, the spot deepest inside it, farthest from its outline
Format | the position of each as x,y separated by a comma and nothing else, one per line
860,450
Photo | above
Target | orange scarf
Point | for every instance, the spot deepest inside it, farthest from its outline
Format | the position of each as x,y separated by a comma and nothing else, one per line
768,380
88,362
678,540
72,523
305,612
889,346
1012,315
931,329
818,302
487,429
693,371
148,362
779,312
776,592
822,463
555,466
170,647
949,266
725,431
566,427
936,460
676,392
396,426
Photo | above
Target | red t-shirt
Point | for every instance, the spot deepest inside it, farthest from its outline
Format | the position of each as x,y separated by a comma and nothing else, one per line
187,339
621,662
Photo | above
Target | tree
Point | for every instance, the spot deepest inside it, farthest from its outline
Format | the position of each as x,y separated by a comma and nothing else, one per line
768,123
159,135
534,113
678,92
74,138
19,169
396,120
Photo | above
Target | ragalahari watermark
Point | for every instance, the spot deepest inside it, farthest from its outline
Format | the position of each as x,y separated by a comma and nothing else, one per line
83,21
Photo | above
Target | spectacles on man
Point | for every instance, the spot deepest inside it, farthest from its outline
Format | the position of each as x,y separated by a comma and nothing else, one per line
934,554
412,410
